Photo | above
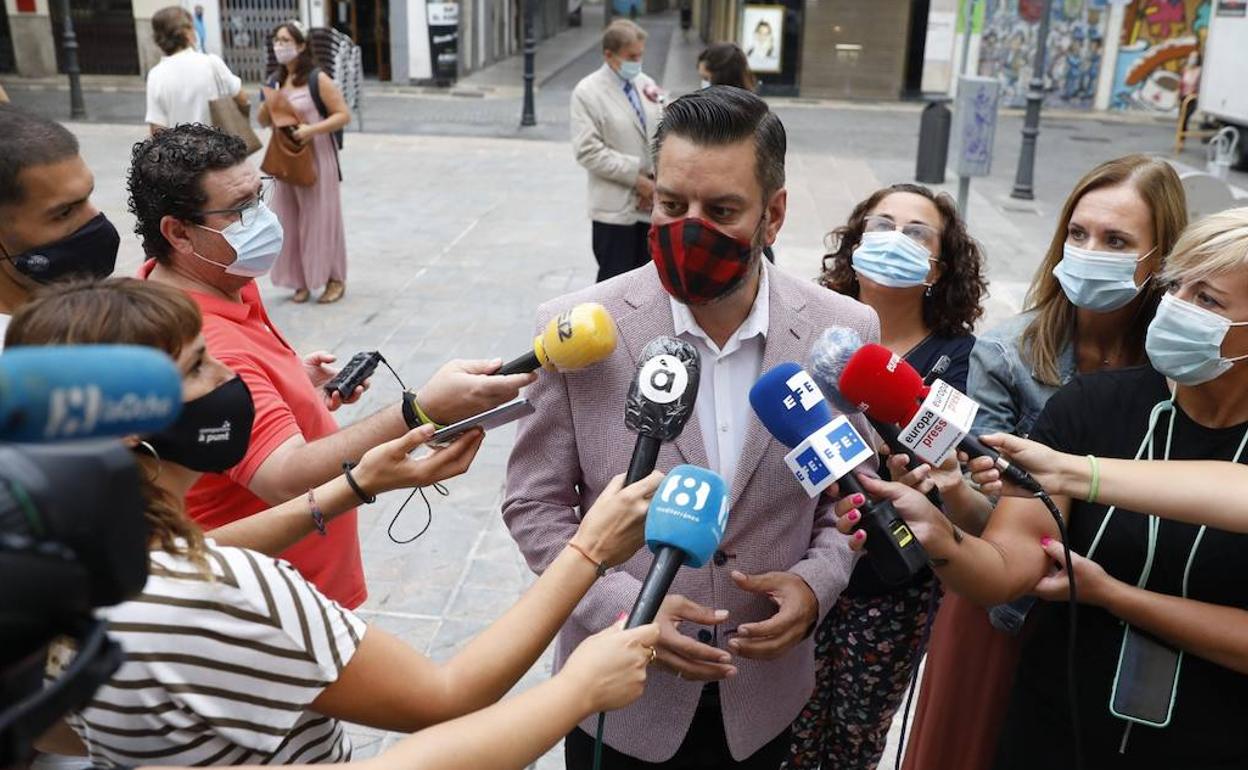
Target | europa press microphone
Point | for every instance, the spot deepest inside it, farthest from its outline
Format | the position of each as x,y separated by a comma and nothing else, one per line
683,527
933,419
827,449
828,359
64,392
574,339
660,400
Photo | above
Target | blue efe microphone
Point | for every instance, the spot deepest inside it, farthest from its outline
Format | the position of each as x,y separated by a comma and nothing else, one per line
683,526
66,392
826,448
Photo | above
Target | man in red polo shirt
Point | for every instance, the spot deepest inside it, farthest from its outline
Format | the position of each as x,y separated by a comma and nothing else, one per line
206,229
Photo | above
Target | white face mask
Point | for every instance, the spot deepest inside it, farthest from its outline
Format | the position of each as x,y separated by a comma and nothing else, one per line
256,246
629,70
1101,281
1184,342
891,258
706,83
285,53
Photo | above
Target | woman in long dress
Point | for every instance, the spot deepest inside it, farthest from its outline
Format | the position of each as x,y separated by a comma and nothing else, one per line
314,253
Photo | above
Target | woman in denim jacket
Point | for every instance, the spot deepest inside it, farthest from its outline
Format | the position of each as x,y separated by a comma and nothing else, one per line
1088,308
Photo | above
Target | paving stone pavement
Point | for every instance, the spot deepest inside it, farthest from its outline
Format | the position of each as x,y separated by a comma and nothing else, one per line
454,241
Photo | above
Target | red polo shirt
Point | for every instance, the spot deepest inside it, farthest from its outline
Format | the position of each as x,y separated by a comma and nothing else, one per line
243,338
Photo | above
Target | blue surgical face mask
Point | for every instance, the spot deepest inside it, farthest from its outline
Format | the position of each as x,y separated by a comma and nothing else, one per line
892,258
256,245
630,69
1101,281
1184,342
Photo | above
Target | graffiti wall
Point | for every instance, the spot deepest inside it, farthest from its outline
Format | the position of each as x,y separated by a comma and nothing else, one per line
1075,49
1158,36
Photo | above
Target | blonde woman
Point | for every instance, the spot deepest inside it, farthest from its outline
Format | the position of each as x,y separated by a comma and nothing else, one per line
234,658
1162,661
1087,310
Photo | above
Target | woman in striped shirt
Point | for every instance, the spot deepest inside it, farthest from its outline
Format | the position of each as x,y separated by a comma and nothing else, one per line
232,657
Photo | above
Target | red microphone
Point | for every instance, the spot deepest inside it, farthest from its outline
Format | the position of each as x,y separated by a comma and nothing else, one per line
890,390
881,382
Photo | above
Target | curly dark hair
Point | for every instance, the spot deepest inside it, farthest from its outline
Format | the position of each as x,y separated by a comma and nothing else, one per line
956,299
166,175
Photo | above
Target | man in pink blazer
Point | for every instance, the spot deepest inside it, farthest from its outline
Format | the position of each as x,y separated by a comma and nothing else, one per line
735,660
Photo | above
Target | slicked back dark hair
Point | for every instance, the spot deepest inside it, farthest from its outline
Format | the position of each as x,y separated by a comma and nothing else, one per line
28,140
722,115
166,178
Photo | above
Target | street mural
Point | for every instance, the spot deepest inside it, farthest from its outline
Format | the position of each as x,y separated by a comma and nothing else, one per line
1075,49
1157,38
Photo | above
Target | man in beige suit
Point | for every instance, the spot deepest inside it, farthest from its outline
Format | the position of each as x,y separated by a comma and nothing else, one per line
735,660
615,112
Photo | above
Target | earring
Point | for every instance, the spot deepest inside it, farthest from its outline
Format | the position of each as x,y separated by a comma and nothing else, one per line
928,291
155,455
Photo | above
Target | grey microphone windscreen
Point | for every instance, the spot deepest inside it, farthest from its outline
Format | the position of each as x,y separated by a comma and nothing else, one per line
828,358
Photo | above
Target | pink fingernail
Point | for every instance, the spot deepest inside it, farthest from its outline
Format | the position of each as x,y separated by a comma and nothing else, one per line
853,515
860,535
1045,540
622,616
858,500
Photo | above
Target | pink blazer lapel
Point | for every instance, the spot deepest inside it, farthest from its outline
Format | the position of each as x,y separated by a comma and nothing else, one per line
788,339
652,317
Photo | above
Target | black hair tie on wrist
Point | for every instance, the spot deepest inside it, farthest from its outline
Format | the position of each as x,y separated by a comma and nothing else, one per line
355,487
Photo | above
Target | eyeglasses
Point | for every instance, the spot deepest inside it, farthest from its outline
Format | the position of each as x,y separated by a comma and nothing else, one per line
246,213
915,231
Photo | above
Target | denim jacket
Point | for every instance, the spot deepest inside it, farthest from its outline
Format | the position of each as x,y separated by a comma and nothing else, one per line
1010,396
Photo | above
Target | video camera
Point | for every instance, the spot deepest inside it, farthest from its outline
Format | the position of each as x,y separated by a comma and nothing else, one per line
73,531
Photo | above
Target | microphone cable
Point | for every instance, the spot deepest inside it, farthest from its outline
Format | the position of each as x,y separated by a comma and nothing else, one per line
437,486
1071,648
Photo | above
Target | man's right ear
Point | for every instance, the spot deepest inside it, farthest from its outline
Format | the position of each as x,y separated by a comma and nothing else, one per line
178,233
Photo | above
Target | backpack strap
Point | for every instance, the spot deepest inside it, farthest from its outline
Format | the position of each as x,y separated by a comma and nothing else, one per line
314,89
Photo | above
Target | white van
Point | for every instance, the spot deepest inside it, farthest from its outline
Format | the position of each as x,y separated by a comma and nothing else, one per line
1223,92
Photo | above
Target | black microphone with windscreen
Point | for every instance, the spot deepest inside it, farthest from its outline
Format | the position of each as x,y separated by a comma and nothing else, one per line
660,400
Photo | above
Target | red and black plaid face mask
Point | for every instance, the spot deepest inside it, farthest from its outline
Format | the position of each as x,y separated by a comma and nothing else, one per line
697,262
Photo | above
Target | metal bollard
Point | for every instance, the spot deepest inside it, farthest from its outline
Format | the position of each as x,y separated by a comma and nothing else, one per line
934,127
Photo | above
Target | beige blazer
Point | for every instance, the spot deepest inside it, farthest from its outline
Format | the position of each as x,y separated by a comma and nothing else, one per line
567,452
610,142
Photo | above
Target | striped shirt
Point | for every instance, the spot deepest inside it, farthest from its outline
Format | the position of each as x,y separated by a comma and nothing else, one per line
222,671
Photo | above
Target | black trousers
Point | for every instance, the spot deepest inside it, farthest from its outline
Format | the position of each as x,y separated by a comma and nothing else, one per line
705,746
620,248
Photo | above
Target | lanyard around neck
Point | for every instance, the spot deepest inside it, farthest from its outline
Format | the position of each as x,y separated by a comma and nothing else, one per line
1154,523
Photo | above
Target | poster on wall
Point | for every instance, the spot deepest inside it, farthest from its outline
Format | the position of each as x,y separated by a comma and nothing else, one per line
762,36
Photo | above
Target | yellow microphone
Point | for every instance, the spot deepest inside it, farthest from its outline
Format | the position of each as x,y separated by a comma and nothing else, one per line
572,340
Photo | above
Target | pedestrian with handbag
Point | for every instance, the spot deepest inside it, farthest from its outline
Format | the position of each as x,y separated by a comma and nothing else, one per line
307,112
187,86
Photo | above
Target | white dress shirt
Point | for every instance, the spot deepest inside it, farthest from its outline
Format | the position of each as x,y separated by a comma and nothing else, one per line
728,373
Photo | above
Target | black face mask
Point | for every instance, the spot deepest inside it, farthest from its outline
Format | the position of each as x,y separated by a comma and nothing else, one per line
212,433
90,251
